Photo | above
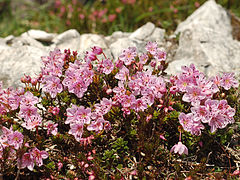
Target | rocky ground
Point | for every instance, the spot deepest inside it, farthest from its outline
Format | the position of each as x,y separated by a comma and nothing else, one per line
209,38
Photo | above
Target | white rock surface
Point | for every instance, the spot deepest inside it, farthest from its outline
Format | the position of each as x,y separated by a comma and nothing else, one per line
123,43
17,61
209,17
66,36
206,41
143,32
41,35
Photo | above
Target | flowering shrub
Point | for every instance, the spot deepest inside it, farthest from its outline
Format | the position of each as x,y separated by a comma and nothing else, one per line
98,119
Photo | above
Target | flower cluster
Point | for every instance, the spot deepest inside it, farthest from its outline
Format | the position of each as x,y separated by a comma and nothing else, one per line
83,98
29,112
32,157
199,91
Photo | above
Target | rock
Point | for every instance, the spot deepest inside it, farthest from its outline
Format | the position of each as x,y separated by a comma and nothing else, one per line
116,35
41,35
25,40
157,35
66,36
17,61
123,43
206,41
72,44
209,17
89,40
143,32
9,39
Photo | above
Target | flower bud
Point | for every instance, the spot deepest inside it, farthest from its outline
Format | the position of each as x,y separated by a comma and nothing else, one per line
97,50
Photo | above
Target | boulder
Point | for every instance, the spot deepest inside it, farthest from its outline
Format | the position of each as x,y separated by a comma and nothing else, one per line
206,40
143,32
41,35
123,43
209,17
66,36
17,61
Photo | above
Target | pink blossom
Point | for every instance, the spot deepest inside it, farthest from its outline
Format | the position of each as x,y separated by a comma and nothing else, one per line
228,81
15,139
27,112
78,114
128,55
96,125
111,17
38,156
151,47
52,86
194,95
106,66
90,55
143,58
122,74
52,128
32,122
140,105
186,120
26,161
28,99
160,55
97,50
179,148
76,130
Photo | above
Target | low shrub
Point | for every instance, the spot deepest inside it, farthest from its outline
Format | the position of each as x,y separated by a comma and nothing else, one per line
94,118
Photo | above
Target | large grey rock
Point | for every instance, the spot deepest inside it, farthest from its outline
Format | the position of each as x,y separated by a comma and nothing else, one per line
25,40
209,17
115,36
66,36
123,43
206,41
89,40
157,35
17,61
143,32
41,35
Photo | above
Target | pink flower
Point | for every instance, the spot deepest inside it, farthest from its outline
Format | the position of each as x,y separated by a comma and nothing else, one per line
90,55
26,161
122,74
52,128
52,86
112,17
179,148
194,95
186,120
97,50
106,66
151,47
78,114
76,130
96,125
28,99
32,122
38,156
228,81
128,55
27,112
143,58
140,105
160,55
60,165
15,139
